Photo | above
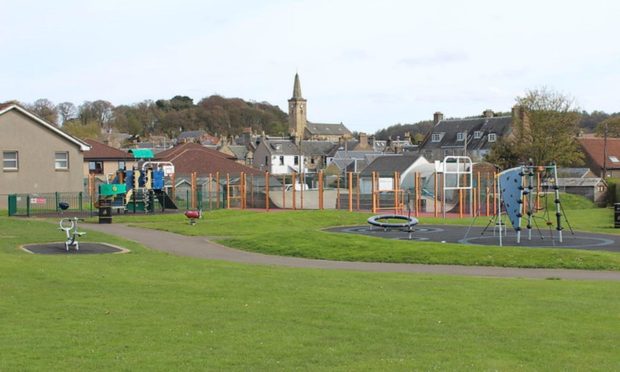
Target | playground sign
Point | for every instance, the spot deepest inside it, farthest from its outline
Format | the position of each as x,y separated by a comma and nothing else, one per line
168,170
38,200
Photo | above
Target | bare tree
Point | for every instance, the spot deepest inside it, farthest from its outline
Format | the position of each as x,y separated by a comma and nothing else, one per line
45,109
66,111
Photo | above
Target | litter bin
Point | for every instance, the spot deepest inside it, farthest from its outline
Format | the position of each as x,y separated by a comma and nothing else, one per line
617,215
105,211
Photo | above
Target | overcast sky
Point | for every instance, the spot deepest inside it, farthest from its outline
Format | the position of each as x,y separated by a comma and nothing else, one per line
368,64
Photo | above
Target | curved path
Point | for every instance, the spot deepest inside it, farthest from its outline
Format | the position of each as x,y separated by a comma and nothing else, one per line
202,247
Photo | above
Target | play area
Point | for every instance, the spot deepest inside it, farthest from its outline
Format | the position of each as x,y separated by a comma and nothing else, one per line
524,217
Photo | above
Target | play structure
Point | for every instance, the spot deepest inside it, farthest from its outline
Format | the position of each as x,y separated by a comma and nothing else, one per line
520,191
70,227
137,190
192,216
388,221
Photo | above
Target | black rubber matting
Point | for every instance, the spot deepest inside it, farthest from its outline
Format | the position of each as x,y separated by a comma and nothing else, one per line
477,236
85,248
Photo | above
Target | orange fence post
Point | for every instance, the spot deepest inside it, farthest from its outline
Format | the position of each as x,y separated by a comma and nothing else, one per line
267,191
294,182
321,190
460,203
357,188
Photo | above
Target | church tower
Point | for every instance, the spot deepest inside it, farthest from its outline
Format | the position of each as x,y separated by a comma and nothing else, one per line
297,112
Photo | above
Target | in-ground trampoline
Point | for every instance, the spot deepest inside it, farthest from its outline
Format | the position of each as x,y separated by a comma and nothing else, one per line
85,248
478,236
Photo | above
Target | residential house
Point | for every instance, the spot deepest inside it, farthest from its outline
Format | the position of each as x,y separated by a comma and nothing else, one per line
37,157
351,161
602,154
103,160
473,137
197,136
278,156
316,153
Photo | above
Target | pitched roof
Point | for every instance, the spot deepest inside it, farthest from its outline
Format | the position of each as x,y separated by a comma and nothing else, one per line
102,151
239,151
579,182
313,148
192,157
594,148
500,125
386,165
327,129
6,107
281,147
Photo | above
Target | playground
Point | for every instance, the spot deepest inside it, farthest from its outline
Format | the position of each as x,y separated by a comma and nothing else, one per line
477,235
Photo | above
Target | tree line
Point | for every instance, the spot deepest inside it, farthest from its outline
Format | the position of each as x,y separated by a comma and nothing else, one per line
216,115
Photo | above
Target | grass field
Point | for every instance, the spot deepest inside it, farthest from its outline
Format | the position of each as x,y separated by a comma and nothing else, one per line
299,234
151,311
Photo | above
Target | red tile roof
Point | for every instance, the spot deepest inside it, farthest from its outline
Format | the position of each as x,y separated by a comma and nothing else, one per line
594,149
102,151
192,157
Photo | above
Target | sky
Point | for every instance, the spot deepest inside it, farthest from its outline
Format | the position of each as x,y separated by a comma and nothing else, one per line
367,64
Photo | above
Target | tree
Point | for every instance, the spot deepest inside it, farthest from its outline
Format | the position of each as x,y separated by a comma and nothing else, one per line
45,109
100,111
83,131
611,125
66,111
545,132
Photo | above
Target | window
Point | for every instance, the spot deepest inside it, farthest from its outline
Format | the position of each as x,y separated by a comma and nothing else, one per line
61,160
477,134
296,160
460,136
281,160
436,137
614,159
121,165
311,160
492,137
95,167
9,161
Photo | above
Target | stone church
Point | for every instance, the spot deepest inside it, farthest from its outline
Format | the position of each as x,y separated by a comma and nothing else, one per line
302,129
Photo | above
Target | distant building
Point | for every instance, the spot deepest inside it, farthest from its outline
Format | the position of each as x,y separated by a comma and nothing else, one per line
472,137
278,156
302,129
599,156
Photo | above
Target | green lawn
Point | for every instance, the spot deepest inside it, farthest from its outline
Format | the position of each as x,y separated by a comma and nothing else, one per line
151,311
300,234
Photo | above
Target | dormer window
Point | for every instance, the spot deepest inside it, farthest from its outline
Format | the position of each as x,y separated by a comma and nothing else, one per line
477,134
492,137
436,137
460,136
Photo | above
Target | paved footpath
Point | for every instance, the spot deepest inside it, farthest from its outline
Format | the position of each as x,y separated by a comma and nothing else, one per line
202,247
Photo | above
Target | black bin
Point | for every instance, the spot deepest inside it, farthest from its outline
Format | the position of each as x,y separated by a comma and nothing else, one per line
617,215
105,211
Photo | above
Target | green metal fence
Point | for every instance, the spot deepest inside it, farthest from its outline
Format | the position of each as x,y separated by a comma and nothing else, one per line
44,204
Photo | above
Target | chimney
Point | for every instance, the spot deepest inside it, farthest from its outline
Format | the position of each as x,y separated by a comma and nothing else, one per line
437,117
488,113
363,141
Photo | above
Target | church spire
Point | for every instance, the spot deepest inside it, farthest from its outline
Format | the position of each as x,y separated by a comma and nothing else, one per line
297,88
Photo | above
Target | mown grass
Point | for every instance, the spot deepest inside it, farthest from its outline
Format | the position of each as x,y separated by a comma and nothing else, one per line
300,234
151,311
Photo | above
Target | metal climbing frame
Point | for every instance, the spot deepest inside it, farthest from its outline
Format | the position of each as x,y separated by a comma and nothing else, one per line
459,169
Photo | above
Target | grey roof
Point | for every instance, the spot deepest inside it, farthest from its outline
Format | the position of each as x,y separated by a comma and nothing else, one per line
579,182
313,148
349,145
281,147
240,152
573,172
327,129
191,134
500,125
386,165
341,154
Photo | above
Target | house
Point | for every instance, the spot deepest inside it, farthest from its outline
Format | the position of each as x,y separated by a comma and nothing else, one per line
192,157
278,156
316,153
103,160
301,129
197,136
473,137
351,161
37,157
592,188
243,154
602,154
386,165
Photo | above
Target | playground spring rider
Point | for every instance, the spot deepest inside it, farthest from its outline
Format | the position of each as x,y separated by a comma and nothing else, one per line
70,227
